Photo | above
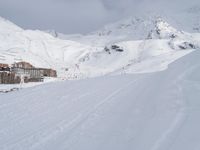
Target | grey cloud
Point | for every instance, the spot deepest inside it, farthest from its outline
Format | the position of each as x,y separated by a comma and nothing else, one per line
74,16
67,16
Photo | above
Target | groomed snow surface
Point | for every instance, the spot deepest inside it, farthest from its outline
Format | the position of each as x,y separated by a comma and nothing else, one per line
154,111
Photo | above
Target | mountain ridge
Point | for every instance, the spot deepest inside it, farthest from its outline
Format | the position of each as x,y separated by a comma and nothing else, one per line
135,40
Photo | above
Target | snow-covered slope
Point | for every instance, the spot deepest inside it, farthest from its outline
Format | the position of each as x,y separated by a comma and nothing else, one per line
37,47
162,45
147,43
156,111
131,45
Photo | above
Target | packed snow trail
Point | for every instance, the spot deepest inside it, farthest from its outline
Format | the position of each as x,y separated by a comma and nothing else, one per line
157,111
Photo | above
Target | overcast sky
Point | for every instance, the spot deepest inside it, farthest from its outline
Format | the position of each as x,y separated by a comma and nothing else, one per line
67,16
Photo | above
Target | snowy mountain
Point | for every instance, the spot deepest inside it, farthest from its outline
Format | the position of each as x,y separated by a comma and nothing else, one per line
37,47
132,45
145,94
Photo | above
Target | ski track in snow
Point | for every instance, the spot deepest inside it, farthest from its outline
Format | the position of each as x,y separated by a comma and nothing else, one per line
168,136
78,120
31,122
61,126
31,135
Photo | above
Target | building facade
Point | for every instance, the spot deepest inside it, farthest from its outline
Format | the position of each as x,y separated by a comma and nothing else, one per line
29,73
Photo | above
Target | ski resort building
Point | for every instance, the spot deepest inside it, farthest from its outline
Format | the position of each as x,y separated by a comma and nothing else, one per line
22,65
4,67
6,76
48,72
19,70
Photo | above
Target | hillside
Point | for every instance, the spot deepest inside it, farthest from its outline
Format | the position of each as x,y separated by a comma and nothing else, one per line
156,111
156,33
119,46
37,47
132,85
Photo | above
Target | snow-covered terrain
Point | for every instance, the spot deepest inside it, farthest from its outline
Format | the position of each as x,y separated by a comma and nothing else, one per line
37,47
155,111
119,46
5,88
153,33
144,94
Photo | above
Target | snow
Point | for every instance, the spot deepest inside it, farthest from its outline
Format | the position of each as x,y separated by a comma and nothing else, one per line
142,39
37,47
143,95
151,111
4,88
